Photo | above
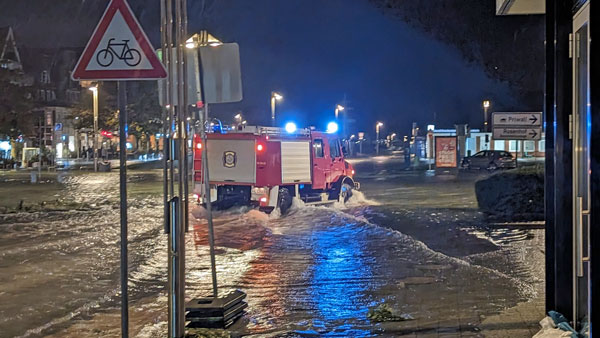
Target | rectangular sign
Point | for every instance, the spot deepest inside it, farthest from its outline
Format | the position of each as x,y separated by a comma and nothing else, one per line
517,133
445,152
517,119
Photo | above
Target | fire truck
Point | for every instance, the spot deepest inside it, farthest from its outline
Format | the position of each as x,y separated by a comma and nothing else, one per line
268,167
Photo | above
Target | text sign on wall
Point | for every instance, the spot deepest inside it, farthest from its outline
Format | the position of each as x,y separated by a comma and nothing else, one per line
445,152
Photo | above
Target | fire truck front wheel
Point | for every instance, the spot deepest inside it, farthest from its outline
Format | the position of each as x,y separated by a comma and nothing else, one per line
345,192
284,200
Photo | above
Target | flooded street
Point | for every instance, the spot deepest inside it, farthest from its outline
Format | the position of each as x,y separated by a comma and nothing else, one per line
412,241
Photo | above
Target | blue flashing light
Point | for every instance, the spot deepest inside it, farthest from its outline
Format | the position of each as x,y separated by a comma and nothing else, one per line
332,127
290,127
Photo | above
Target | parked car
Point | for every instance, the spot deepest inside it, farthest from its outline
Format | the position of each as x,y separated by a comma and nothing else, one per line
490,160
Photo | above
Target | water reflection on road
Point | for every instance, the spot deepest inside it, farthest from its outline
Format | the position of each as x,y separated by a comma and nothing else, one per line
315,271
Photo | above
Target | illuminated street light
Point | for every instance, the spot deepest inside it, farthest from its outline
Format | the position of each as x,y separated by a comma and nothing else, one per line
486,105
202,39
238,118
274,98
338,109
94,90
377,127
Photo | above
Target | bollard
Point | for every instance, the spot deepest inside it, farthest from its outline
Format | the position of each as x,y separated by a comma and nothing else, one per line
33,177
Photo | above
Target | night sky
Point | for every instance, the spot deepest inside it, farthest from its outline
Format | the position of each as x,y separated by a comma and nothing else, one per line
313,52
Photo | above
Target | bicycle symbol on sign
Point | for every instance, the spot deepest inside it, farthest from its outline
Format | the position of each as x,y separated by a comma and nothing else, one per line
131,56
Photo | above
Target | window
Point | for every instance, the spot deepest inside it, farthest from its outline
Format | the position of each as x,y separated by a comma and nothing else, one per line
318,147
499,145
334,148
542,146
480,154
45,77
514,146
483,145
529,146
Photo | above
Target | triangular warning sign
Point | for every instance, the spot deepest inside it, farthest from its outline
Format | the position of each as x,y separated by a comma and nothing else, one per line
119,49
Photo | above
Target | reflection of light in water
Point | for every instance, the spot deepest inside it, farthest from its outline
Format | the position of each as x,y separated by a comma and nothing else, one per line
339,278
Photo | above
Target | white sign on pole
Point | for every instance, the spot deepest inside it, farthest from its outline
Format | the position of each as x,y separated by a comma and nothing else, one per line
517,126
516,133
517,119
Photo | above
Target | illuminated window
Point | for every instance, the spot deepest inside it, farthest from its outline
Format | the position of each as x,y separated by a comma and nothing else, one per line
318,147
498,144
45,77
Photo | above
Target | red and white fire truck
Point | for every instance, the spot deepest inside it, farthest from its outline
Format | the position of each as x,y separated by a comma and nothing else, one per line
269,167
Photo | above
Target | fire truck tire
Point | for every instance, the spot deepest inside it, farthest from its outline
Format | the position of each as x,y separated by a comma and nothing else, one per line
284,200
345,192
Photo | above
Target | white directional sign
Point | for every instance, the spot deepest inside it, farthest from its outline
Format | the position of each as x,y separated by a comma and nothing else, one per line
118,49
517,126
516,133
517,119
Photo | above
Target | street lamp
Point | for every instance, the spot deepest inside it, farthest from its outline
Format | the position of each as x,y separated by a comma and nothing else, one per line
94,90
238,118
377,126
486,105
274,98
338,109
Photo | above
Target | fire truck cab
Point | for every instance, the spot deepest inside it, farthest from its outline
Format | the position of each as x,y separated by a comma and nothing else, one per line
269,167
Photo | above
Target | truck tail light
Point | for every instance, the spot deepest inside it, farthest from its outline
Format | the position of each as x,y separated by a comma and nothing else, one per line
260,147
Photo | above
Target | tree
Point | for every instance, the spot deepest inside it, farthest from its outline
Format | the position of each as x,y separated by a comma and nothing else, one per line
508,48
144,114
83,111
16,105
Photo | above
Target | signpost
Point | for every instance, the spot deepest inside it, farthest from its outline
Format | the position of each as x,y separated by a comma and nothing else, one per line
517,126
119,50
516,133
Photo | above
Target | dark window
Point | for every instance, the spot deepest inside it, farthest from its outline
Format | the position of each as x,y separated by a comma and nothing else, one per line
318,147
334,148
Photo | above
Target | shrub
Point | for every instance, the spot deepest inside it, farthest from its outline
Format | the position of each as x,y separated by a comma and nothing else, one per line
513,194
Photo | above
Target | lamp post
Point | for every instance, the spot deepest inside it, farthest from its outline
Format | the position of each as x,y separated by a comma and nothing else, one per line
338,109
486,105
274,98
94,90
377,126
238,119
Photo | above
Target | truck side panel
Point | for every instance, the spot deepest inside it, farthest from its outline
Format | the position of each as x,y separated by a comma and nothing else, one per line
295,162
268,165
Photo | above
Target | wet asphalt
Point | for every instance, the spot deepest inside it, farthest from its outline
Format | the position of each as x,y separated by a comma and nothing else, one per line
412,241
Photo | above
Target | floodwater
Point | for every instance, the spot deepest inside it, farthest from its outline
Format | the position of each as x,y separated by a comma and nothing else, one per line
414,242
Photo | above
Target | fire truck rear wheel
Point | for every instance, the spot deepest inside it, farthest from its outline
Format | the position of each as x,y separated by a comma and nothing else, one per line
345,192
284,201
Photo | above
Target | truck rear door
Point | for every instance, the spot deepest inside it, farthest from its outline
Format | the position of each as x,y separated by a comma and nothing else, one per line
232,160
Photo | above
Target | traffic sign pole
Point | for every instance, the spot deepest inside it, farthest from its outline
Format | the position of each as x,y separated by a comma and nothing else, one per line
122,98
119,50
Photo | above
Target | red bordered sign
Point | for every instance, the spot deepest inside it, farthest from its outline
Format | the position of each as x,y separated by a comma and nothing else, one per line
118,49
